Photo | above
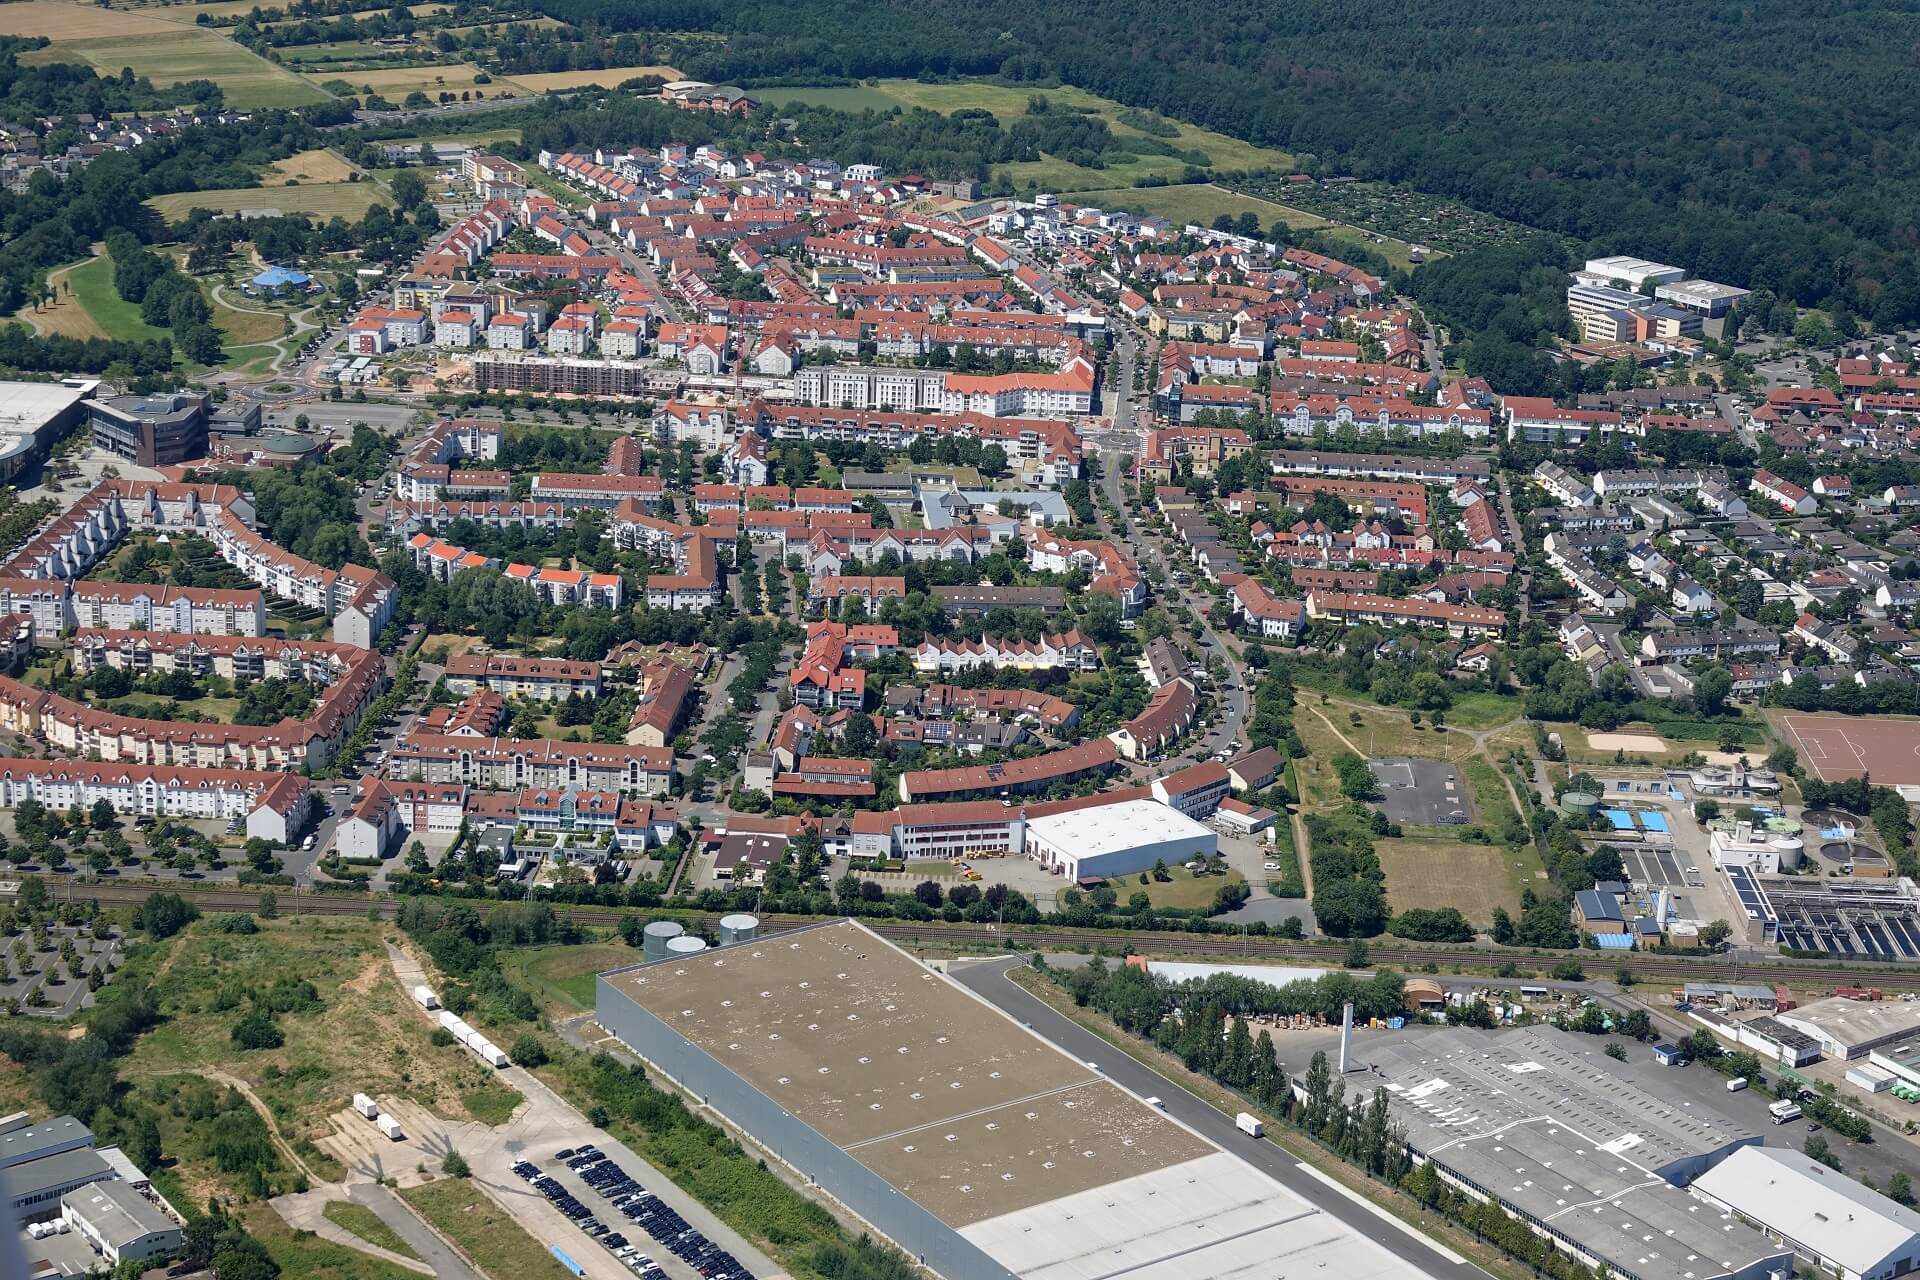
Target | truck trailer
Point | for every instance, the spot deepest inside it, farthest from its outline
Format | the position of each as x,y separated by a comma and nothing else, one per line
1249,1125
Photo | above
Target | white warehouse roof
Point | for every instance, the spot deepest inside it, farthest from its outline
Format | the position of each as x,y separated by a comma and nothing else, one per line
1824,1212
1112,828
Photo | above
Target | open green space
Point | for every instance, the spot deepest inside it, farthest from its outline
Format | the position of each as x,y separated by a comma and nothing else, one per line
851,97
1475,878
173,57
366,1224
349,200
1199,203
1183,890
302,1254
564,976
92,285
460,1210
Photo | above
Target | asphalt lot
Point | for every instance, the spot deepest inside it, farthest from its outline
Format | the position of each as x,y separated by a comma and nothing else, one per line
1429,792
987,978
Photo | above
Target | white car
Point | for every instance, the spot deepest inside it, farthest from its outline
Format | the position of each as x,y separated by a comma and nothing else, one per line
1273,866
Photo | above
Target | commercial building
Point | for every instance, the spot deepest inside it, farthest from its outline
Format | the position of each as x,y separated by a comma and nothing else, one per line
151,431
1703,296
964,1138
1843,1228
1117,840
35,414
1572,1144
1634,273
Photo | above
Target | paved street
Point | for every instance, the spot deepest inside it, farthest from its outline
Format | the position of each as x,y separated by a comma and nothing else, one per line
988,979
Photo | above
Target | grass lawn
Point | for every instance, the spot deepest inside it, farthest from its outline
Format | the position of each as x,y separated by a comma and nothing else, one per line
177,55
491,1103
1184,890
1476,878
116,317
1197,203
1478,710
246,329
463,1212
479,137
366,1224
563,976
66,316
152,705
350,200
1492,807
848,97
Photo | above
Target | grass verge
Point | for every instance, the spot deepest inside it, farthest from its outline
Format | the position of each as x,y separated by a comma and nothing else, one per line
366,1224
466,1215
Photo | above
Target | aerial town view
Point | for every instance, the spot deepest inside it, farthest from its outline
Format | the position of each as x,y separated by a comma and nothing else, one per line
970,641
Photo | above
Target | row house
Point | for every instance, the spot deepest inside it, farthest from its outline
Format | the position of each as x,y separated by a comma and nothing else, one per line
1300,416
1068,651
829,591
1783,493
1683,643
542,679
404,518
519,763
126,606
275,806
1458,620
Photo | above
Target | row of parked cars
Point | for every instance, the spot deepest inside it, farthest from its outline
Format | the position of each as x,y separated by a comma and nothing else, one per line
638,1206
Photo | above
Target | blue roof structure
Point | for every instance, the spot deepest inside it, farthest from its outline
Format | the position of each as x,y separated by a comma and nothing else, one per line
274,277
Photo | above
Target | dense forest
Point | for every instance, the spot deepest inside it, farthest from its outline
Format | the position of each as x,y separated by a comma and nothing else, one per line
1764,145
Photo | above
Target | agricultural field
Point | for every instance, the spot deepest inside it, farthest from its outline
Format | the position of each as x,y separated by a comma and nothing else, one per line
349,200
62,22
395,83
606,78
173,54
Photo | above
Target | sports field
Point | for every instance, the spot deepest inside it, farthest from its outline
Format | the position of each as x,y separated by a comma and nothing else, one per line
1833,748
349,200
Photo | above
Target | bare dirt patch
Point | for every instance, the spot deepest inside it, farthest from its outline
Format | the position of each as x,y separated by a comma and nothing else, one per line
1627,742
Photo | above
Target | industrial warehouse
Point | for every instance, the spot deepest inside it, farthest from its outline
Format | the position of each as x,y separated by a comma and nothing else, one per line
966,1139
1563,1141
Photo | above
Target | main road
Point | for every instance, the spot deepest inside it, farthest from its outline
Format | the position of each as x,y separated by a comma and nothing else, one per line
989,980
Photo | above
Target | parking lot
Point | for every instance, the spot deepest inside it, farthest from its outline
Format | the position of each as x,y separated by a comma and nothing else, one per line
627,1219
1427,792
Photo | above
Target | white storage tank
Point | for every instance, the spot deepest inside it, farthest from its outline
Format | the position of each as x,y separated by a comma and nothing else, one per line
654,938
389,1126
366,1106
684,946
425,997
1791,850
739,927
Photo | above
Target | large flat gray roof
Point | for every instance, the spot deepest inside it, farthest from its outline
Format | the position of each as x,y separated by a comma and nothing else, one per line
1533,1118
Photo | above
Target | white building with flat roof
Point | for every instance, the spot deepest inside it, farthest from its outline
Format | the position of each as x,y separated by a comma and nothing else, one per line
1634,272
1840,1226
1848,1029
1704,296
120,1222
1117,839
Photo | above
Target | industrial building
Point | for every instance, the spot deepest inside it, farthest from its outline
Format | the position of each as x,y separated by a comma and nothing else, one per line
1847,1029
1564,1139
1840,1226
976,1146
35,414
120,1222
1635,273
1117,839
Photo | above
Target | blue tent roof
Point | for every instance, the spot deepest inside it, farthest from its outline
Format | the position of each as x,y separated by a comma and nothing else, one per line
274,277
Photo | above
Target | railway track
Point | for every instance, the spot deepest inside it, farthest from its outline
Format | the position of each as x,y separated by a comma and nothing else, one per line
1644,966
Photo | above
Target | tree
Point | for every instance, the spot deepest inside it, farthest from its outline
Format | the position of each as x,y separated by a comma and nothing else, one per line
269,907
1357,955
101,817
929,893
257,1030
454,1165
164,914
1711,690
528,1051
1714,934
1899,1189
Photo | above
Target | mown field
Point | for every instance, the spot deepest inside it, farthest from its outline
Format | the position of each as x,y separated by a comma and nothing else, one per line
1197,203
169,54
350,200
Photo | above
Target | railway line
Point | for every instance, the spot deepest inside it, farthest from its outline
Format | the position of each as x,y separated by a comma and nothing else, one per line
1643,966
